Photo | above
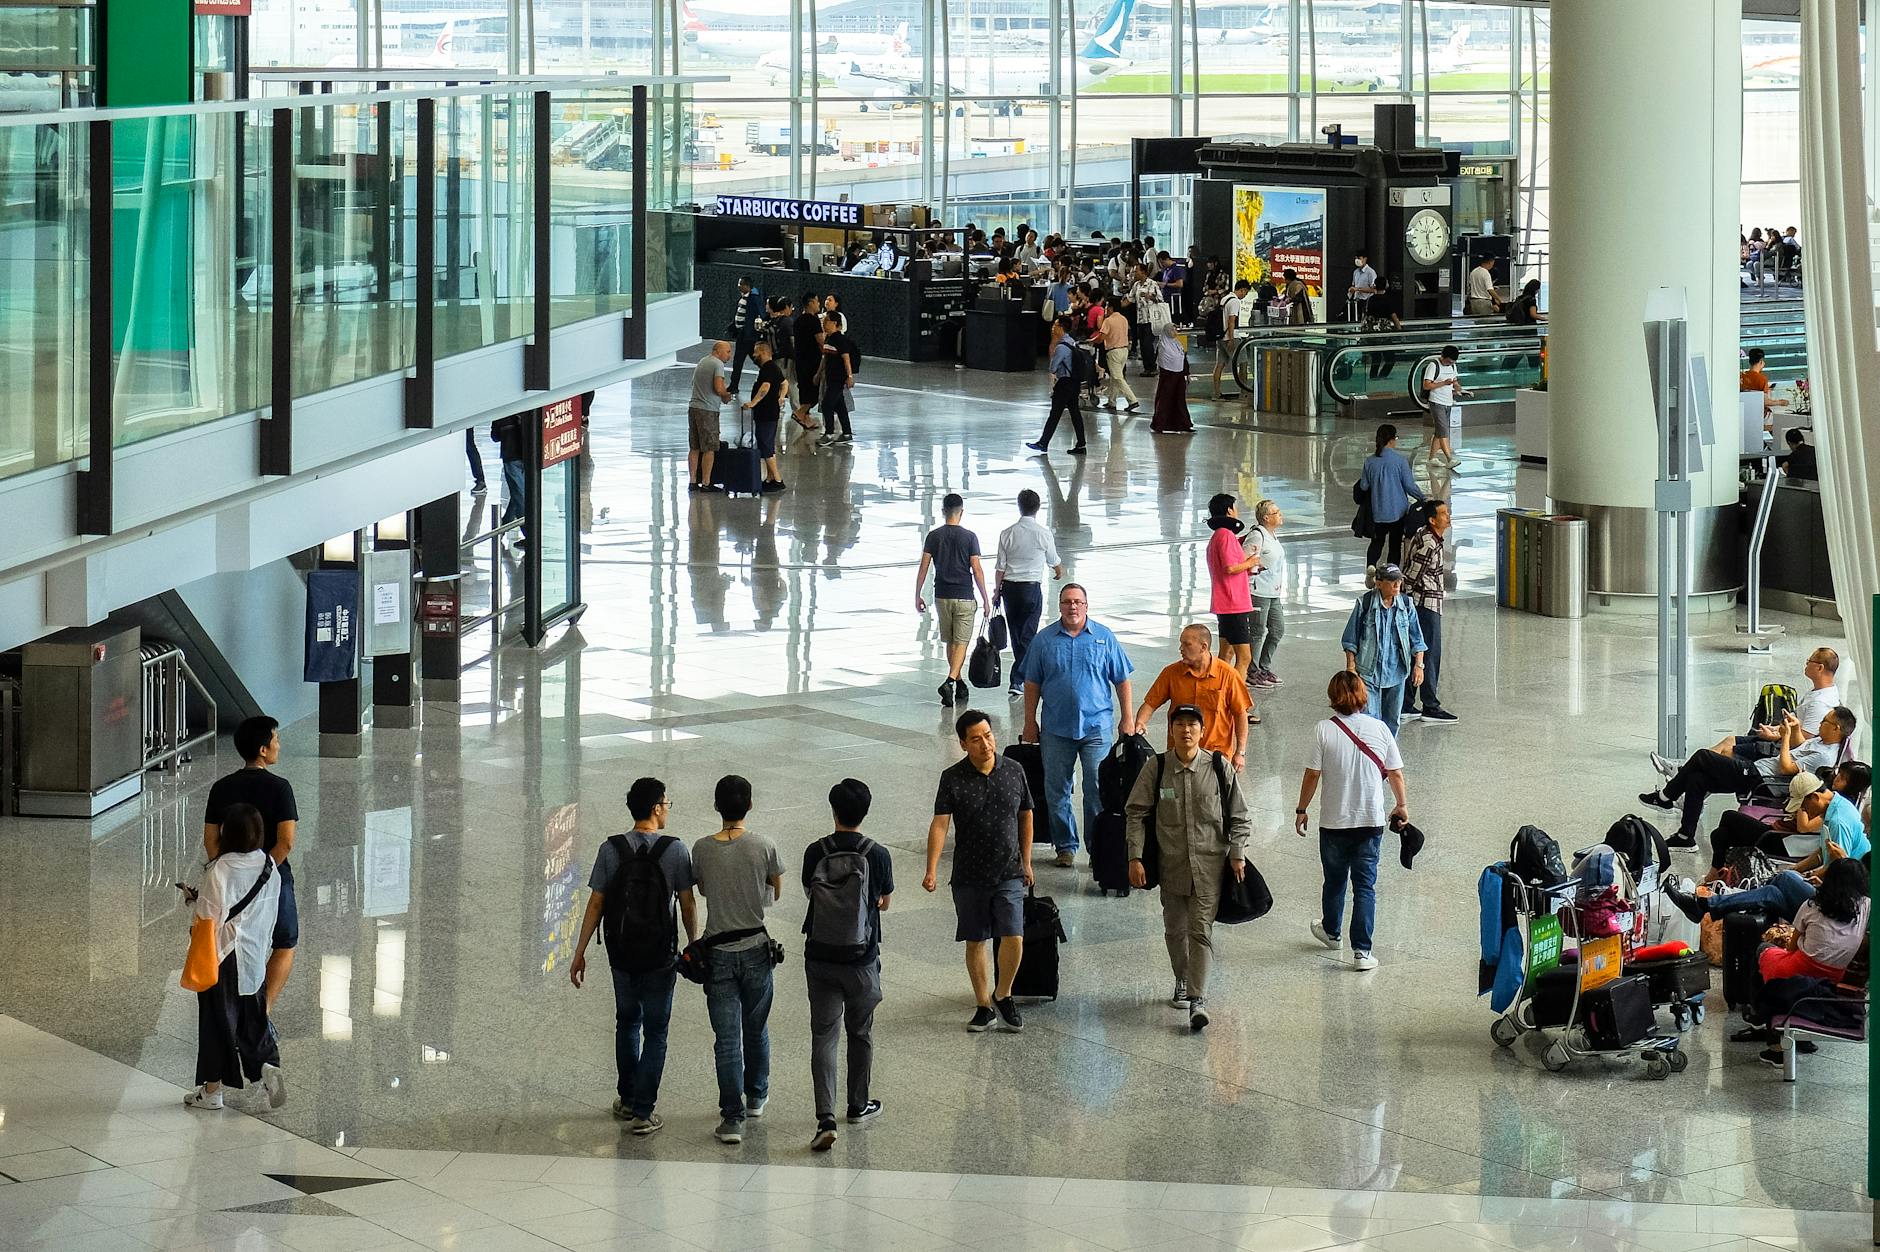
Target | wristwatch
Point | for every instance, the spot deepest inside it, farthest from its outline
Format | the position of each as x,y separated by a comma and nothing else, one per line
1298,810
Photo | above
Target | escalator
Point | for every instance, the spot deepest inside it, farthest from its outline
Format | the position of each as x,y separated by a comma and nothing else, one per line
1497,358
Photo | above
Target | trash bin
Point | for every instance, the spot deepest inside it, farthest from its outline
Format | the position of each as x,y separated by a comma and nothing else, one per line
1286,380
1540,562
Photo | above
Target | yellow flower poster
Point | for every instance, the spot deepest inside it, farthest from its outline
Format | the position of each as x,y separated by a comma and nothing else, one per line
1278,229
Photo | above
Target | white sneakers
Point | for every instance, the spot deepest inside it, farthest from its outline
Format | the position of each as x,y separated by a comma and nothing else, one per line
1363,962
197,1100
275,1084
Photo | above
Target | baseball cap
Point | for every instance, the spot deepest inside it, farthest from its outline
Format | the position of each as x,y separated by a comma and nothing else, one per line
1803,785
1390,573
1187,710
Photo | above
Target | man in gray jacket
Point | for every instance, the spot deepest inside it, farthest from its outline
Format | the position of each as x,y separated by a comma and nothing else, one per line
1200,821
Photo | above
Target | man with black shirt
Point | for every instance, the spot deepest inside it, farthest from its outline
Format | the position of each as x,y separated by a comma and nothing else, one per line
838,372
848,878
953,553
765,407
746,312
642,998
986,799
507,434
258,741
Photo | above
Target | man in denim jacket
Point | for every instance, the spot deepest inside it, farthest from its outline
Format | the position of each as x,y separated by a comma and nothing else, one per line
1384,646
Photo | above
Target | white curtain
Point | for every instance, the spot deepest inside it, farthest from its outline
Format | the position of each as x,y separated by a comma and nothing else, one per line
1843,363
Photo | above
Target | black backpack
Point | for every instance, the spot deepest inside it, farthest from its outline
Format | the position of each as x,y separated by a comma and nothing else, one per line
782,336
637,924
1535,858
1640,843
1083,368
855,357
1772,702
1116,772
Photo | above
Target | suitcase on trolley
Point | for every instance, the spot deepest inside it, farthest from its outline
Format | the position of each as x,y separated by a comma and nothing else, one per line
1674,979
1618,1014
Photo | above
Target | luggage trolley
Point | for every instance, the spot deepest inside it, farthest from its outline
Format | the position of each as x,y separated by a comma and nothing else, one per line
1568,1040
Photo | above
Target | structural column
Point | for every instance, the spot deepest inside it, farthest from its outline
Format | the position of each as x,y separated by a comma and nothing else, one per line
1645,185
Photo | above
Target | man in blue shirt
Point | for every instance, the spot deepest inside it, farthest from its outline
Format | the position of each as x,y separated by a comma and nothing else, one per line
1384,646
1064,386
1070,668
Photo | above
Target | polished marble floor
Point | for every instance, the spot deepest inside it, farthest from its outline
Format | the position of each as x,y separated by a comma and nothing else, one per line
441,876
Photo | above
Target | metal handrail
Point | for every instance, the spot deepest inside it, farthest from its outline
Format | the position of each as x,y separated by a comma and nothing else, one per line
1755,627
168,682
498,606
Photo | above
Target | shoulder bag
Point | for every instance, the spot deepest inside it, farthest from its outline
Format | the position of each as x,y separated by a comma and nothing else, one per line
201,966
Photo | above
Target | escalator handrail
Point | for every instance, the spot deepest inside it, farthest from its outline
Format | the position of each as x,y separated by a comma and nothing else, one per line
1430,353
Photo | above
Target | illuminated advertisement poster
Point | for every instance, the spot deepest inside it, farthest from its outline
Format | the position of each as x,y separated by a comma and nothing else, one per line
1278,229
561,890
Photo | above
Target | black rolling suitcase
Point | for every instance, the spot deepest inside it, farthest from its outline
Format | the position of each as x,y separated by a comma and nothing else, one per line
1037,976
1030,757
1742,940
1674,979
1109,853
738,470
1618,1014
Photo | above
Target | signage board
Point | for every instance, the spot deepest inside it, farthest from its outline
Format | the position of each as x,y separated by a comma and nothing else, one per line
1278,229
225,8
332,626
388,573
791,212
561,431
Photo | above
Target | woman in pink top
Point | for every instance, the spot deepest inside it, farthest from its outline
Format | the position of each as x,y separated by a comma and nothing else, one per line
1229,568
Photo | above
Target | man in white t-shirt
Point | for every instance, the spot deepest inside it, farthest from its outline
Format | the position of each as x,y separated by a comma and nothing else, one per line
1442,387
1233,314
1822,694
1355,756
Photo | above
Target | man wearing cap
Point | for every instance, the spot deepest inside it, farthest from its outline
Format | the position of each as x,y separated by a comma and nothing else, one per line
1205,682
1201,825
1384,646
1709,771
1822,819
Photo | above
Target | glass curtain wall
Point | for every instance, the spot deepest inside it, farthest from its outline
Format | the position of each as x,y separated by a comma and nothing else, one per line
1008,111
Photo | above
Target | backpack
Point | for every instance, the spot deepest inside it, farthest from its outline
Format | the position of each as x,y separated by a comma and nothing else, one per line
1535,858
637,923
1083,369
1640,843
841,897
1116,772
782,336
1775,700
1152,850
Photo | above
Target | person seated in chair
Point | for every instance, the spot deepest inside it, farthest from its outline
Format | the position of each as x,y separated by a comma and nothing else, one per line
1819,813
1715,770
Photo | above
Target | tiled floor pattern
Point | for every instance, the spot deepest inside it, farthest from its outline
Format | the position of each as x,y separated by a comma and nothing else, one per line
97,1157
440,877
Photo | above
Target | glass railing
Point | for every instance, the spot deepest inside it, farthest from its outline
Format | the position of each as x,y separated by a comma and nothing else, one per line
309,231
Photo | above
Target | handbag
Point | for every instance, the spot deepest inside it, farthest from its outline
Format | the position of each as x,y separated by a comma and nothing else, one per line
695,962
1244,899
1362,527
997,632
201,966
983,669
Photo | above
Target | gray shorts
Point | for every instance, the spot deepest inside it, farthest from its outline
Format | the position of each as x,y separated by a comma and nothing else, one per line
701,429
1444,416
995,912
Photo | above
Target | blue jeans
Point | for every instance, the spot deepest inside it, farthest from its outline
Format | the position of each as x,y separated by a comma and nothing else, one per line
737,998
1350,854
1386,703
515,482
1781,896
642,1003
1061,755
1431,625
1023,602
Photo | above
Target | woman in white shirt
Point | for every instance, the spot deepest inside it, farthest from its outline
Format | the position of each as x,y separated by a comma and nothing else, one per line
1356,756
239,893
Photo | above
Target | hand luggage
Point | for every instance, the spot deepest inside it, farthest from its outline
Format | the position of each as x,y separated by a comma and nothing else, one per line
1109,853
1552,995
1617,1014
1535,858
1030,758
1116,772
1772,702
738,470
1742,940
982,669
1037,976
1674,979
1245,900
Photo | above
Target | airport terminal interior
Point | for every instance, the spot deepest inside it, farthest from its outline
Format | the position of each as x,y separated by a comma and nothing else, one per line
371,406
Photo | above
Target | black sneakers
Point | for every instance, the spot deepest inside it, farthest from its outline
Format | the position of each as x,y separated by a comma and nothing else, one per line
1008,1014
982,1020
1687,904
866,1113
1657,799
1682,843
825,1136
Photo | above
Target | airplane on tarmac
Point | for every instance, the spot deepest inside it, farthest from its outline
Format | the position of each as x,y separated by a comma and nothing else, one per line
895,81
748,47
1772,65
441,56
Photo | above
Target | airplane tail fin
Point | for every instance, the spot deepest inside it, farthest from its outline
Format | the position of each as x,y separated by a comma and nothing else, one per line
445,39
900,40
1457,41
689,18
1106,41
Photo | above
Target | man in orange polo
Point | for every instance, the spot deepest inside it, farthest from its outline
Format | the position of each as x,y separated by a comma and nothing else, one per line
1210,684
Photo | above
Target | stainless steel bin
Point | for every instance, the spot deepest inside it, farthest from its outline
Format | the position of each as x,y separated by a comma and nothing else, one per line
1540,562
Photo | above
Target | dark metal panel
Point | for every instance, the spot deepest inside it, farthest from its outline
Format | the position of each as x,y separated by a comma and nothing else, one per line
635,347
95,493
277,431
421,387
536,373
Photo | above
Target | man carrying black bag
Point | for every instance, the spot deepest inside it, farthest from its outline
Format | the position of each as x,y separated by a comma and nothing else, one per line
1190,798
